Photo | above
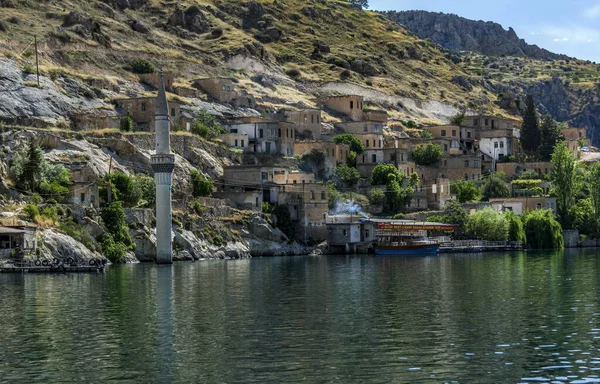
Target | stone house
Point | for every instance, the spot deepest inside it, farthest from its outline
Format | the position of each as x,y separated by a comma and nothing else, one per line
19,238
306,121
349,105
431,194
350,234
143,109
335,154
236,140
451,136
84,186
453,168
483,122
306,200
218,88
372,155
153,79
360,127
265,136
574,137
375,115
513,170
499,143
521,204
93,119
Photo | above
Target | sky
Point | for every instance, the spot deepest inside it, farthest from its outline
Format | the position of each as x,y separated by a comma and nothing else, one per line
571,27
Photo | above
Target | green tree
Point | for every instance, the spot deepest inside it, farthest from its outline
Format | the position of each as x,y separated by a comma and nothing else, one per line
542,231
201,186
550,136
515,227
454,213
426,134
142,66
32,169
427,154
116,241
382,174
465,191
494,186
351,141
376,197
487,224
351,160
126,123
530,131
125,188
565,183
147,190
459,118
207,126
584,217
347,175
397,195
333,195
593,185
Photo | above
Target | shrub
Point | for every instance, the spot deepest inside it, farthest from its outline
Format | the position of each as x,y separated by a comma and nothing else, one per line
141,66
542,231
427,154
293,73
410,124
376,197
197,207
350,140
201,186
347,175
488,224
426,134
29,69
126,123
112,250
207,126
31,211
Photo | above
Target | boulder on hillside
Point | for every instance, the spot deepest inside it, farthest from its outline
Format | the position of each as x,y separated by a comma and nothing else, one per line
253,16
363,67
461,81
271,35
138,26
62,247
191,19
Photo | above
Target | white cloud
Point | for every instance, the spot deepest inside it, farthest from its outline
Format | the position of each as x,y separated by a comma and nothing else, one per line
592,12
574,35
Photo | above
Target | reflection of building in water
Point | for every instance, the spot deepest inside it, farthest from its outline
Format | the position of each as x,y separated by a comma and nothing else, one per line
165,323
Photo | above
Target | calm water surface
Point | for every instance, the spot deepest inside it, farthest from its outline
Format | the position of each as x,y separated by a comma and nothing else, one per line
490,318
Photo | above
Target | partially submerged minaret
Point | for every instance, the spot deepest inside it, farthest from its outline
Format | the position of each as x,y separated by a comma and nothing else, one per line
163,163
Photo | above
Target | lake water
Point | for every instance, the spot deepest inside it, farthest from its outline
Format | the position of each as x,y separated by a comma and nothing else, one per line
489,318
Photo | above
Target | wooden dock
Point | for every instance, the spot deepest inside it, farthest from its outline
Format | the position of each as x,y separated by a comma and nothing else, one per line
31,267
476,246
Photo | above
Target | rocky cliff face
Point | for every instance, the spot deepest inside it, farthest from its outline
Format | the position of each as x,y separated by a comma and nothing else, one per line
459,34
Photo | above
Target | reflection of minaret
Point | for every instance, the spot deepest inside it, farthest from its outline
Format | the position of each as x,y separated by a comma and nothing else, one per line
163,163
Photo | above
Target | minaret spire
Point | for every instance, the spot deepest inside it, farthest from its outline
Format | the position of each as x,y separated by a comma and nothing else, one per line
163,163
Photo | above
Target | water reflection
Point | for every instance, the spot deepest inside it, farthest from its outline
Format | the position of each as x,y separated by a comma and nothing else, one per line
465,318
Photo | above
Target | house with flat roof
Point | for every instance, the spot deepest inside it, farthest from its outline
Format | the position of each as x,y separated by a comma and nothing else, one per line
143,109
17,240
307,122
218,88
265,136
349,105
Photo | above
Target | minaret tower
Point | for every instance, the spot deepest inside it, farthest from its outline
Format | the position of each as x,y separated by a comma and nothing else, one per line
163,163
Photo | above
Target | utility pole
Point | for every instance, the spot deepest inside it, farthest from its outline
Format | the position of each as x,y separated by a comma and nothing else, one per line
37,63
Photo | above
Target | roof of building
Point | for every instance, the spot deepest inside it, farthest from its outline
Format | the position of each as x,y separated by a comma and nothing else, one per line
10,231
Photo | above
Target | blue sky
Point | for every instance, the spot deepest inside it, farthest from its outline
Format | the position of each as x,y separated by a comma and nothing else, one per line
571,27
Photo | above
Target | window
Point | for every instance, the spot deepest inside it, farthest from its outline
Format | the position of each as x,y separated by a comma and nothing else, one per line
454,132
344,232
445,163
486,121
233,130
402,158
379,143
229,88
476,163
367,143
295,182
82,197
312,119
279,132
445,147
466,163
373,143
538,206
143,107
236,142
223,87
173,112
472,176
495,144
242,144
466,177
287,133
366,233
469,134
351,104
312,194
260,133
365,129
373,158
443,133
502,144
323,197
476,122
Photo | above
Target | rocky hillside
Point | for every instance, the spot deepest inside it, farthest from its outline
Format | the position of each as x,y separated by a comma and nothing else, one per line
459,34
284,53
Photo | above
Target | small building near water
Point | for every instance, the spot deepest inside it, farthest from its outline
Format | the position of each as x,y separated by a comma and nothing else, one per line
18,239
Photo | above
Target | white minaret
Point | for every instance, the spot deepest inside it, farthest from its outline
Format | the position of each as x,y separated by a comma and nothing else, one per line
163,163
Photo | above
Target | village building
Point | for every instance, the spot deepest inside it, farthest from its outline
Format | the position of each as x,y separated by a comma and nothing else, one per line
143,110
335,154
484,122
306,200
431,194
350,234
375,115
306,121
93,119
513,170
84,186
218,88
17,240
264,136
237,140
522,204
153,79
495,145
450,134
349,105
467,138
576,139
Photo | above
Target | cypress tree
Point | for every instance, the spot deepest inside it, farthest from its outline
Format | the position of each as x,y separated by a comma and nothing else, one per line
550,133
531,137
32,170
